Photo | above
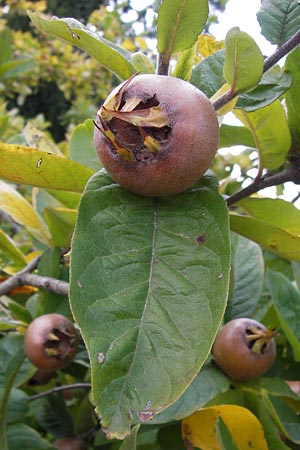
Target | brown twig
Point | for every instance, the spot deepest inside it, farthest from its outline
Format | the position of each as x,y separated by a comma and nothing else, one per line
279,53
24,277
59,389
291,173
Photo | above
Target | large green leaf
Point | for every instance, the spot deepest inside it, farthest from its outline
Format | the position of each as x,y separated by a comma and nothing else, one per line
270,131
279,19
208,74
272,223
233,135
27,165
149,282
21,436
286,300
243,66
106,53
179,24
292,97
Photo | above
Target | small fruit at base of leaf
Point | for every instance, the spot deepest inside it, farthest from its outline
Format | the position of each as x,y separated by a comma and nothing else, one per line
50,342
156,135
244,349
69,443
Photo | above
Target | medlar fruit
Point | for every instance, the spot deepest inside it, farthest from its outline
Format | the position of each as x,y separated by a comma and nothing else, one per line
244,349
69,443
50,342
156,135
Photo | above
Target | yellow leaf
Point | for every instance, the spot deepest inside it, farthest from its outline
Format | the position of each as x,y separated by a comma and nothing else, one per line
230,105
22,212
199,429
39,140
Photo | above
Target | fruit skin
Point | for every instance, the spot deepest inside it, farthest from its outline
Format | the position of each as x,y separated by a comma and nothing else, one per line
188,143
69,443
50,342
232,354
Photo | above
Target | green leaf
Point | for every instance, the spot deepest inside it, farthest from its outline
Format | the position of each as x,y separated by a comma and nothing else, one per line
184,66
10,252
287,418
6,41
13,68
38,139
61,222
286,300
243,66
21,436
279,20
272,223
179,24
142,63
207,384
270,131
82,146
22,212
17,405
248,276
208,74
106,53
231,135
9,346
292,96
149,282
27,165
224,436
273,84
130,442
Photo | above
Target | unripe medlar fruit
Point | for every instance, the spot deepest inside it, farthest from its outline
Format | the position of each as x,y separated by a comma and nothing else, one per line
50,342
69,443
244,349
156,135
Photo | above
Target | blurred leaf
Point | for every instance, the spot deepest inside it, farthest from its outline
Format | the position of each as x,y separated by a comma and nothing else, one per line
207,384
10,251
272,223
61,222
184,65
286,300
231,135
12,367
296,272
82,146
19,312
55,418
248,276
287,420
179,24
13,68
130,442
199,429
22,212
27,165
275,386
243,66
21,436
270,131
208,74
10,345
17,405
6,41
224,436
69,199
279,20
150,271
169,437
273,84
106,53
292,96
39,140
142,63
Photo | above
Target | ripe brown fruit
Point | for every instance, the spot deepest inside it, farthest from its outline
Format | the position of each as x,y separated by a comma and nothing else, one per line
50,342
244,349
156,135
69,443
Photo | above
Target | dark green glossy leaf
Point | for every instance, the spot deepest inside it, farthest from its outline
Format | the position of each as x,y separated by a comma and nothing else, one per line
208,383
243,65
149,281
82,146
292,97
179,24
286,300
272,223
279,19
224,436
208,74
248,276
231,135
273,84
106,53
